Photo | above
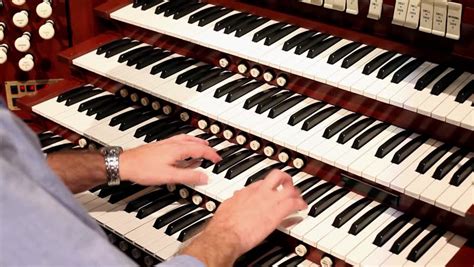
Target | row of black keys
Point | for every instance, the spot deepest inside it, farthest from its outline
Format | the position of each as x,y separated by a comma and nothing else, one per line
48,139
278,102
314,42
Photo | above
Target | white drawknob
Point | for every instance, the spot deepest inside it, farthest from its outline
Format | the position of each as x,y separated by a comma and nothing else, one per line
268,76
298,163
197,199
23,43
155,105
184,193
184,116
224,62
326,262
301,250
211,206
44,9
2,31
167,110
269,151
18,2
20,19
255,145
283,157
202,124
255,72
3,53
145,101
241,139
27,63
242,68
82,142
282,81
228,134
46,31
215,128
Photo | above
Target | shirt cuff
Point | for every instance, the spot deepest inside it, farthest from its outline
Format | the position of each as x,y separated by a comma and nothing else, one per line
182,260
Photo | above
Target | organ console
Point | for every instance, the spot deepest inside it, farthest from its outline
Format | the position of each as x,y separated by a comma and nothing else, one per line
367,105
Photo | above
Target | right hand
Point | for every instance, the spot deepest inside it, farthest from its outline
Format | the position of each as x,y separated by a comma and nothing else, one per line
245,220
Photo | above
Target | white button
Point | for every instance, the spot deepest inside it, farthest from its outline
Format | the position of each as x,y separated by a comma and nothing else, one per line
255,145
82,142
224,62
352,7
426,20
26,63
155,105
134,97
197,199
20,19
171,187
242,68
375,9
241,139
228,134
44,10
184,116
255,72
167,110
215,129
269,151
301,250
123,93
283,157
439,18
453,29
413,14
298,163
184,193
268,76
282,81
211,206
18,2
145,101
23,43
46,31
3,53
400,12
326,262
2,31
202,124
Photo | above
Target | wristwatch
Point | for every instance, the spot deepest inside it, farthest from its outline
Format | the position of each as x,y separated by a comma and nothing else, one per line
111,157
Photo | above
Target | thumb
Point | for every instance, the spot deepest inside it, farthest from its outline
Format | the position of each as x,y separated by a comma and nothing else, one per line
190,177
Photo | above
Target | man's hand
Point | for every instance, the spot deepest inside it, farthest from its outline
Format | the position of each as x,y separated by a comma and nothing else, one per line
246,219
164,162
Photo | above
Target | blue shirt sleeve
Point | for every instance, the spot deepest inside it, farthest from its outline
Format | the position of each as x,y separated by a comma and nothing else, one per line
182,261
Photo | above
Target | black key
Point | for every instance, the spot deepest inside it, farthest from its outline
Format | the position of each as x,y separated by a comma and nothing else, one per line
366,219
97,188
408,149
95,106
151,3
342,52
175,68
74,92
250,26
109,190
212,17
428,77
156,205
193,230
185,221
259,97
265,32
149,128
242,166
110,109
188,10
444,82
145,199
173,215
205,136
356,56
135,121
297,39
278,35
254,254
45,135
202,13
406,70
137,52
354,129
391,66
167,64
273,257
59,148
116,197
163,7
243,90
462,173
391,229
309,43
125,116
339,125
138,3
223,153
420,249
231,161
193,73
273,101
317,192
319,117
158,132
406,238
465,92
392,143
323,46
182,129
154,57
449,163
263,172
50,141
285,105
432,158
226,88
240,23
116,43
292,172
203,86
76,99
293,261
327,201
229,20
377,62
119,49
305,112
307,184
206,76
215,141
350,212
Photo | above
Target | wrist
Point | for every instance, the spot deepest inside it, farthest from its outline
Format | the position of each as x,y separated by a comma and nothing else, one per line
126,166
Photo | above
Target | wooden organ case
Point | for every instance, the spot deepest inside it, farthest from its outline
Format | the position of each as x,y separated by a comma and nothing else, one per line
379,109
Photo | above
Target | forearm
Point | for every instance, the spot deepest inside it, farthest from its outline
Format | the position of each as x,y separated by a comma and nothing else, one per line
79,170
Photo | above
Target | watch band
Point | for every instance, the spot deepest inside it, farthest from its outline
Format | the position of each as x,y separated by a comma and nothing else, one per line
111,158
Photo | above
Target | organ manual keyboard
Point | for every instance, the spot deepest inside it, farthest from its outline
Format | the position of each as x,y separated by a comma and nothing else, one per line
373,125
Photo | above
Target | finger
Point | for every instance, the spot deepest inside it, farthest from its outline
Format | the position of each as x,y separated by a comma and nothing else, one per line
189,177
289,206
276,178
198,151
186,138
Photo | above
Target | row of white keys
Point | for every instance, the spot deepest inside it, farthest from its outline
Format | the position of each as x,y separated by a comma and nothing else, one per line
462,113
449,103
448,199
465,201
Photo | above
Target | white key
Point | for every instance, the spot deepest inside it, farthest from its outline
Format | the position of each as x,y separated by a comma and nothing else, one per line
453,193
464,203
449,104
458,114
448,251
433,251
468,121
